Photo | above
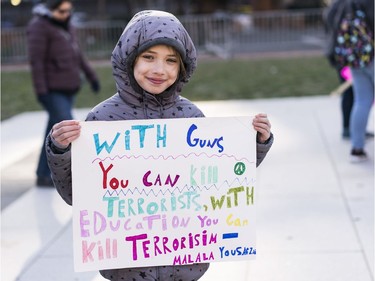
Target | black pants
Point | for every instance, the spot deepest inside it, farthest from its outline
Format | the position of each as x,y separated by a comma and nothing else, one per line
347,100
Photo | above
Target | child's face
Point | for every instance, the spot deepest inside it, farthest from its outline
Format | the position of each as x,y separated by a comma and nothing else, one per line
157,68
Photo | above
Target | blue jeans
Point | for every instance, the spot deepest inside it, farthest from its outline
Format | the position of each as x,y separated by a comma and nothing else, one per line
363,85
59,107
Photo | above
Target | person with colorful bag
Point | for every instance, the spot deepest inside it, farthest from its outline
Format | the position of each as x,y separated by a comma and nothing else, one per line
352,45
363,81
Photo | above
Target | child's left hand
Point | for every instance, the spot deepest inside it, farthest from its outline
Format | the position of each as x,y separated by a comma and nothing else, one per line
263,126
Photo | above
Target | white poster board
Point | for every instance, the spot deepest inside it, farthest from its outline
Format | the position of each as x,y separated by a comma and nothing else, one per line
163,192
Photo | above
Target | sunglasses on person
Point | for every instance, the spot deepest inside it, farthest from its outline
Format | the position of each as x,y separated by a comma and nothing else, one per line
66,11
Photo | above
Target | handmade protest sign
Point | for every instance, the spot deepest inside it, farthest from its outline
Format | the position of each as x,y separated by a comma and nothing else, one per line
163,192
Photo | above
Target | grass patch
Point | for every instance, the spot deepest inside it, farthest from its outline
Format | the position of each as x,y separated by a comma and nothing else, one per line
213,80
267,78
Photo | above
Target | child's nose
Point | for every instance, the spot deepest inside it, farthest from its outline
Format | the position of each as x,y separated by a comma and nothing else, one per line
158,67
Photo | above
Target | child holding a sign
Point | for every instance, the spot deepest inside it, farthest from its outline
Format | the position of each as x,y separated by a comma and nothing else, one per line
152,60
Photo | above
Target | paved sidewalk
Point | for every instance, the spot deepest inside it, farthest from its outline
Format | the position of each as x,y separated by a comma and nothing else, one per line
315,210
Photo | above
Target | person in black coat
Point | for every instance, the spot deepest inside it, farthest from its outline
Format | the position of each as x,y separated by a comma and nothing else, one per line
56,63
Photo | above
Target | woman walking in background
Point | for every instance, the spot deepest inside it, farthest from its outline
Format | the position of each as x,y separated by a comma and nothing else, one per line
56,64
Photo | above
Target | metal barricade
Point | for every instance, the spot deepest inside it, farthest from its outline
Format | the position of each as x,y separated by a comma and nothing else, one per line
223,34
13,45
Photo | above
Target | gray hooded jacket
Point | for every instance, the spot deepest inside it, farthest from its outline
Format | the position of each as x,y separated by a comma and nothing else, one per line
146,29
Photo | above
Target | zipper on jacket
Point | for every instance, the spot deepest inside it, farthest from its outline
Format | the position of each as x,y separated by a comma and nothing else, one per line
158,101
161,110
145,105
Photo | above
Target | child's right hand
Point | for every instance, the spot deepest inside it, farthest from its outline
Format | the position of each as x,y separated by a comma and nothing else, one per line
64,132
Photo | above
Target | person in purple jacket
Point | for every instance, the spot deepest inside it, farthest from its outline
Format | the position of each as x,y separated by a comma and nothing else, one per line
56,64
152,60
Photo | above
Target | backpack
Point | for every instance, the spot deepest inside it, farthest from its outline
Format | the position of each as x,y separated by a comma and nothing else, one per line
354,40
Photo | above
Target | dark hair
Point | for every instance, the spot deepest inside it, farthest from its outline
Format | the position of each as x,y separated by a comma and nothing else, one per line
182,64
54,4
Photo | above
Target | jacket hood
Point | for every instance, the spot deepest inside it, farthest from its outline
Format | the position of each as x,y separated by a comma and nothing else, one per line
41,10
147,29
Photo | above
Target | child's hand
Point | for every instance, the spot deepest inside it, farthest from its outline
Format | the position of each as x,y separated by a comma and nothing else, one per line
263,126
65,132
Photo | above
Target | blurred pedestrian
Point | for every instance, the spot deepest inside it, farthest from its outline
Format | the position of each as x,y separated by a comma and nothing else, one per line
150,71
56,64
330,17
351,43
363,84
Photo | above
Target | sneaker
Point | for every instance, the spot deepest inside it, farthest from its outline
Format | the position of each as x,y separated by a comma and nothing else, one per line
357,156
369,135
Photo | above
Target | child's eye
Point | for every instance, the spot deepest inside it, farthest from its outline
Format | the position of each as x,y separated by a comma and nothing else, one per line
172,60
147,57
